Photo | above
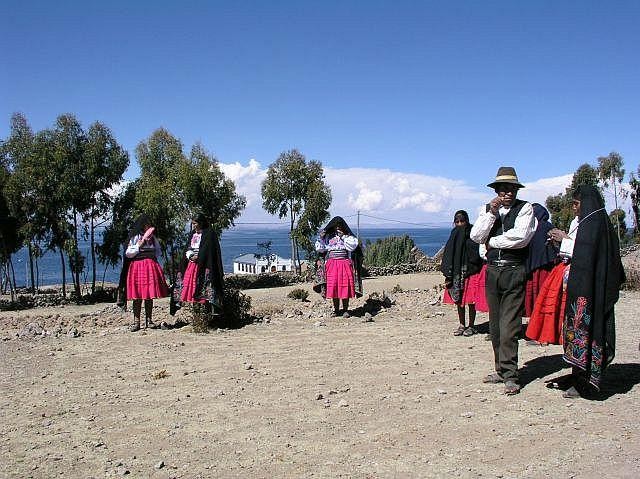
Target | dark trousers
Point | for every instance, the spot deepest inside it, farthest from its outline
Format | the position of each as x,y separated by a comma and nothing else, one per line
505,289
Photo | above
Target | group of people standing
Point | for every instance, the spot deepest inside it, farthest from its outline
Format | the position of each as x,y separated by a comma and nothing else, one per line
511,262
567,283
199,279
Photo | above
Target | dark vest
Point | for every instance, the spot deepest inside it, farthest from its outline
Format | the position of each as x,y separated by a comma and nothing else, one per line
505,224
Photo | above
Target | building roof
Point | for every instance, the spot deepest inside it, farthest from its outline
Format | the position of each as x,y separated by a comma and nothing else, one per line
245,258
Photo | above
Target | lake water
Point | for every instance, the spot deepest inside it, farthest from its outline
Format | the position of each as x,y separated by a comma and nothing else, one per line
234,242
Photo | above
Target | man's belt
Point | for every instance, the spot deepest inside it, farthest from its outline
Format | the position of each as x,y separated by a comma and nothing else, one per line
505,262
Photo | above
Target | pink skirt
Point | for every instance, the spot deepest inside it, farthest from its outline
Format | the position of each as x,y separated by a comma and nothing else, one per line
145,280
340,283
473,292
189,284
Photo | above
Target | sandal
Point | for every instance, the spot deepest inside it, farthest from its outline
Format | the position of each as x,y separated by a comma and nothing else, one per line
571,393
470,331
460,331
511,387
493,378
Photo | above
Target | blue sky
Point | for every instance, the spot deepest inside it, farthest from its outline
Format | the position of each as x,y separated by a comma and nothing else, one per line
423,99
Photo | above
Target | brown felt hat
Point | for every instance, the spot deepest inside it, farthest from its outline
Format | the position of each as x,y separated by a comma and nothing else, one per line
506,174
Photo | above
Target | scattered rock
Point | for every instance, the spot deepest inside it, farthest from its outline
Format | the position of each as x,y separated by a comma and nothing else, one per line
159,465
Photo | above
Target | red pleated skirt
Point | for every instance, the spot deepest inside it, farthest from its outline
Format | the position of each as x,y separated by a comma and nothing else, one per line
145,280
189,284
533,288
340,283
545,324
473,293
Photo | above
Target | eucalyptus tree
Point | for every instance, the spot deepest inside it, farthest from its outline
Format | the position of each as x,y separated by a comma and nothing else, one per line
611,174
158,194
116,232
206,189
105,161
296,188
559,205
75,189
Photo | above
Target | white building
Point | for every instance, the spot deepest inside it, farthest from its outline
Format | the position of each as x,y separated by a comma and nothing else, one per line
251,263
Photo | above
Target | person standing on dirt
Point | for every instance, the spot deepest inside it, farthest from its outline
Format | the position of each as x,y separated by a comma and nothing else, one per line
505,229
343,262
141,272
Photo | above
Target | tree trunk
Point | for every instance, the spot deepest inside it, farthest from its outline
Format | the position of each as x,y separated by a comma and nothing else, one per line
13,275
33,280
615,199
64,274
93,255
76,272
293,241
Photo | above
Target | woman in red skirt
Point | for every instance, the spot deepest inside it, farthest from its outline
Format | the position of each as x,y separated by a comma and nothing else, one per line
545,324
461,266
201,271
343,259
144,277
541,259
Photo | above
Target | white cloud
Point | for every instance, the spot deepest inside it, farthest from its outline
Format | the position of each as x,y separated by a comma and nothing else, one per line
386,197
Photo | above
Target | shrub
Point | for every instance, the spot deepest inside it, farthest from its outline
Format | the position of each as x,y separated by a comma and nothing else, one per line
389,251
298,293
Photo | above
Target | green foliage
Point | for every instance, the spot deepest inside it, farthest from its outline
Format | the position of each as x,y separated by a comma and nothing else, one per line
296,188
388,251
117,231
634,183
559,206
206,189
618,218
298,293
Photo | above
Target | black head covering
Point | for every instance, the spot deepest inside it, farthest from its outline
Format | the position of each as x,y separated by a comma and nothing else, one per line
461,257
335,223
462,213
357,255
139,224
541,251
593,289
202,220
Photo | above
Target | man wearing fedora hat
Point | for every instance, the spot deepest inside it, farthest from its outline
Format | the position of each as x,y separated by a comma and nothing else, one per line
505,228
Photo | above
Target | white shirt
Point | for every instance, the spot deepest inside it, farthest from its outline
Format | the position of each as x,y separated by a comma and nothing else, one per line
566,246
344,242
519,236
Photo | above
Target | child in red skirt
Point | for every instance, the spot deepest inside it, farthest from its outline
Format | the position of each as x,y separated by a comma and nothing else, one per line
461,266
340,247
144,277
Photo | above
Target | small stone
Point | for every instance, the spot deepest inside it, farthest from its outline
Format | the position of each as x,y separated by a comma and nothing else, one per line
248,366
404,373
319,396
343,403
441,391
159,465
466,414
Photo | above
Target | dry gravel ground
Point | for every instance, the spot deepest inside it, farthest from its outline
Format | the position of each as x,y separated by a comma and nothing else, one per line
303,395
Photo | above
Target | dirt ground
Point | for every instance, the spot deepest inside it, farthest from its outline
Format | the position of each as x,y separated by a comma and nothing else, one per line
303,394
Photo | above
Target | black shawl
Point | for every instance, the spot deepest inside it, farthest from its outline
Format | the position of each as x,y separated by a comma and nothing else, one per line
592,289
461,259
541,251
210,270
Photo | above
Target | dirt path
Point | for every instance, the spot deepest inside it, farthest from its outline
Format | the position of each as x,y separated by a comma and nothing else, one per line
304,395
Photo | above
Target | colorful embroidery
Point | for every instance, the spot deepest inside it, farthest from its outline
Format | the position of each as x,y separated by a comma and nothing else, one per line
579,349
